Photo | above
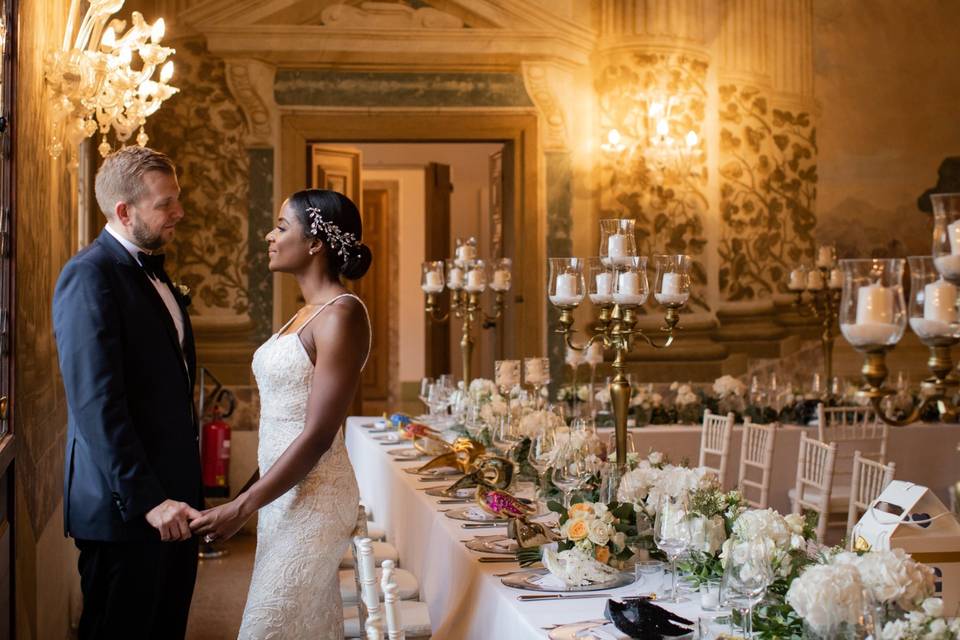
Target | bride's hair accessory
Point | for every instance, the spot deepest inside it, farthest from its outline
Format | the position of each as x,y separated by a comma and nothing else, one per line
342,241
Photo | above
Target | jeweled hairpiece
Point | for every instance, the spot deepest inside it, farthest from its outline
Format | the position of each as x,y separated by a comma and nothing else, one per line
342,241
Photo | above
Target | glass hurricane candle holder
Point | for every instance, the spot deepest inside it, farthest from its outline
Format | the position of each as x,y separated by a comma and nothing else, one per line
601,282
632,287
456,276
536,373
618,241
872,309
506,375
798,279
946,235
431,280
566,287
465,252
502,269
933,301
476,280
673,280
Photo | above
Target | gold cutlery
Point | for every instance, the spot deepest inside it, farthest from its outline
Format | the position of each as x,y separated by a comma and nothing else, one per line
494,559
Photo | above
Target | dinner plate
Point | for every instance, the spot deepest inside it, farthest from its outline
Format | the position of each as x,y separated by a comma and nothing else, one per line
439,472
407,454
596,631
500,545
473,513
541,580
463,493
388,437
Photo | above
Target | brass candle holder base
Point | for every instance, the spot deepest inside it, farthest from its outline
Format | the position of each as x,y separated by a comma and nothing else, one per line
824,306
465,306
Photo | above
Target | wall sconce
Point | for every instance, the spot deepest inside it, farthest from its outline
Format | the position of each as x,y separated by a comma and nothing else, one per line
94,85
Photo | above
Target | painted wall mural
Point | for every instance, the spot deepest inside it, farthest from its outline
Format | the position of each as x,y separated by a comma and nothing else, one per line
667,199
202,129
768,189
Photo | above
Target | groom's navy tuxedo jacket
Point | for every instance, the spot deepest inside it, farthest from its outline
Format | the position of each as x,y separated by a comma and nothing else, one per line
132,438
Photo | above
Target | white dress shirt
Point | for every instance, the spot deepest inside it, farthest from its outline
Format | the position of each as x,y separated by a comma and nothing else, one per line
165,293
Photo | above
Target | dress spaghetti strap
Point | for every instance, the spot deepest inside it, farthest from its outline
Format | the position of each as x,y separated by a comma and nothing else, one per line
366,314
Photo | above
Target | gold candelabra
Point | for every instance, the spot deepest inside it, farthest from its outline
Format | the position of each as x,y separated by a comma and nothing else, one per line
824,283
465,306
618,286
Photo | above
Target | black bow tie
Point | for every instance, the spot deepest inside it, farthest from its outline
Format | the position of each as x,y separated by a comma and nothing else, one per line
153,264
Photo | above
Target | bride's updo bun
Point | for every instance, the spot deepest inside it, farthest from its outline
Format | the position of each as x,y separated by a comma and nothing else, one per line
333,219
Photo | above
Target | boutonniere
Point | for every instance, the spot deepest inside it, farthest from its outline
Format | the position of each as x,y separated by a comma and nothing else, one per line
184,292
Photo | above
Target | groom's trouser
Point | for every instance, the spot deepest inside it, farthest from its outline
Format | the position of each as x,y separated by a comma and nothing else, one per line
136,589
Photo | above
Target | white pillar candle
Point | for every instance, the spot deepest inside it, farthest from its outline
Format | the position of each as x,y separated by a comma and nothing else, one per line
466,252
501,280
604,293
953,232
672,284
940,301
836,279
566,293
825,257
629,283
455,278
475,279
948,265
797,280
875,304
617,246
508,375
433,282
815,280
535,372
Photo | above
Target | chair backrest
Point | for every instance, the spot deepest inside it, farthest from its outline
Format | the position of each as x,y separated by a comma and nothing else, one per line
391,602
869,479
715,441
815,466
372,623
853,429
756,456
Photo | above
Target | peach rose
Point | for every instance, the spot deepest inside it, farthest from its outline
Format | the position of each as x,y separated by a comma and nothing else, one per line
603,554
583,508
578,530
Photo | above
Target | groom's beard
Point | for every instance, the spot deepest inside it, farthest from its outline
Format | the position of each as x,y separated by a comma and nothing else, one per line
143,237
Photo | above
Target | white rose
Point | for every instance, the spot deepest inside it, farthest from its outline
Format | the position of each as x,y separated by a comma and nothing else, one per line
827,595
655,457
795,521
933,607
599,532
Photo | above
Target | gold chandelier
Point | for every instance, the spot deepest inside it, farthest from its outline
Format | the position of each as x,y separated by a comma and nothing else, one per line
104,79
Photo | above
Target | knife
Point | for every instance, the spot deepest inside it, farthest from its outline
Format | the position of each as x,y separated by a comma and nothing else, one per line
484,525
493,559
561,596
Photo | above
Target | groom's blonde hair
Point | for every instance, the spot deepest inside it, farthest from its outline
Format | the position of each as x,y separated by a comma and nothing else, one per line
120,177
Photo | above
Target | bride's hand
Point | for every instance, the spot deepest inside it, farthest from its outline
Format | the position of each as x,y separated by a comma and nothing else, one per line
222,522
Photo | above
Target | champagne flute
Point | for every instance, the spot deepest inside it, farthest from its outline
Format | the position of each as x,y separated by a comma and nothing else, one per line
541,454
671,534
570,472
745,581
425,384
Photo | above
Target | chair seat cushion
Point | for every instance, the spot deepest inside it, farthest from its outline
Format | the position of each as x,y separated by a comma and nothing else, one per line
381,551
414,615
839,498
375,532
408,587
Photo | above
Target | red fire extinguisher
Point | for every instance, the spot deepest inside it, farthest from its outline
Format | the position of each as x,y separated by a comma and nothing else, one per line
216,449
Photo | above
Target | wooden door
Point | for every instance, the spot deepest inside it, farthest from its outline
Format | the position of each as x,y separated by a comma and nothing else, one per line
437,247
374,288
7,244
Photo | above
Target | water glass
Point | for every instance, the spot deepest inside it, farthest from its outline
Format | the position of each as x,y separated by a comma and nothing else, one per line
710,595
649,575
671,533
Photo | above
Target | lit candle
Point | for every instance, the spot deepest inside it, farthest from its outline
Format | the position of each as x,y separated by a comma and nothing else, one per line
501,280
455,278
825,256
875,318
797,280
671,289
815,280
508,375
617,247
566,291
836,279
466,252
433,282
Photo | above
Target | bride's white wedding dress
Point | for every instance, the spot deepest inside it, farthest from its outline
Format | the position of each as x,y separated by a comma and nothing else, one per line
302,535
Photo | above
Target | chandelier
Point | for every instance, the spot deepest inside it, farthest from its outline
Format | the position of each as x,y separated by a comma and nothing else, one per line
104,78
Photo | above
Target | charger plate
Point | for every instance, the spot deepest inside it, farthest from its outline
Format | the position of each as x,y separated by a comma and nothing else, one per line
582,631
438,492
529,580
439,472
407,454
493,544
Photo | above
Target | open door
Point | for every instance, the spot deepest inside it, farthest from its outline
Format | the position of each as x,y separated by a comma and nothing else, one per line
375,291
437,247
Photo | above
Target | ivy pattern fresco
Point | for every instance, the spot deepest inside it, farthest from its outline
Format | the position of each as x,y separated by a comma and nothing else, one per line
202,129
768,189
666,198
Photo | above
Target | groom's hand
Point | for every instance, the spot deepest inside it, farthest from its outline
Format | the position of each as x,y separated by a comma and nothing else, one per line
172,519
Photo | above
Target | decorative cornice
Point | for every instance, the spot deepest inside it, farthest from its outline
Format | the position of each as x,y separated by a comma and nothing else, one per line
553,133
380,15
251,83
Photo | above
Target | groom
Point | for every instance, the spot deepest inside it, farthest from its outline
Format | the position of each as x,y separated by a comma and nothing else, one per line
132,478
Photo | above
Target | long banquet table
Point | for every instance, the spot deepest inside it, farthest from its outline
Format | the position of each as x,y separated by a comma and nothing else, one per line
464,597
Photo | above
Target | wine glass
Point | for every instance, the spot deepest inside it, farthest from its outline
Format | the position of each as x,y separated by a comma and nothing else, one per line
541,453
425,384
570,472
745,581
671,534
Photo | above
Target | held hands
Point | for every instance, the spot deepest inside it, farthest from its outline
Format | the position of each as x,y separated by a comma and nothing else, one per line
172,519
222,522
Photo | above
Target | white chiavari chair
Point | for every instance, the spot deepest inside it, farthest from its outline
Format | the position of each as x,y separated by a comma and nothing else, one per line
756,459
391,603
368,619
815,466
869,480
715,441
408,587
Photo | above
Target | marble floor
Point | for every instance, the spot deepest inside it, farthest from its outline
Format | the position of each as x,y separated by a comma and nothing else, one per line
221,592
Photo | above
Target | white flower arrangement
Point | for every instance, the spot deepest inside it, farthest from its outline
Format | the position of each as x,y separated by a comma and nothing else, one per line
576,567
603,396
646,398
707,534
565,393
766,532
727,386
647,484
536,421
482,389
685,394
892,577
926,623
496,408
590,528
827,596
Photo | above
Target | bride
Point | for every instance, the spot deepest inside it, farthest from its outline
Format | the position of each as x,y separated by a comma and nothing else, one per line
307,375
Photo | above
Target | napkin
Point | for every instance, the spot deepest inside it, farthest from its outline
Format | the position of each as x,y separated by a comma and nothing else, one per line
549,581
641,619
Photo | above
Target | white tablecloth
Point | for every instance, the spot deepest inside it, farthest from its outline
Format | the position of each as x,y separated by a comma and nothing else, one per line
466,601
